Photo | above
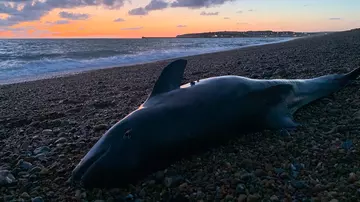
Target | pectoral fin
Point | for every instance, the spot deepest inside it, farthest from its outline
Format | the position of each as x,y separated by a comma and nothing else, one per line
274,102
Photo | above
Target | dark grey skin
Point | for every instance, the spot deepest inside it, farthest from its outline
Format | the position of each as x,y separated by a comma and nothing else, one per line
177,121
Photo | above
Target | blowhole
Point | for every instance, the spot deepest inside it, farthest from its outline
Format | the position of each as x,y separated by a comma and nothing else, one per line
127,134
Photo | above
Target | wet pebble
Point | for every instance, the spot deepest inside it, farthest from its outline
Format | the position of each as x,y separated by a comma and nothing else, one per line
24,164
100,127
246,176
37,199
25,195
172,181
352,178
47,132
35,169
253,198
60,140
240,188
242,198
41,150
260,172
298,184
274,198
6,178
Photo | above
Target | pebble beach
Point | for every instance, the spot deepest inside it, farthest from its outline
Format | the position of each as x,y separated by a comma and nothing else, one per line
47,126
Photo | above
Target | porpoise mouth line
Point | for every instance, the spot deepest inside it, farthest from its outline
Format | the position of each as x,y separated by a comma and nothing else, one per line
86,165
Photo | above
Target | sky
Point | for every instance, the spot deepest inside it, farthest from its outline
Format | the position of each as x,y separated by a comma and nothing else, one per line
168,18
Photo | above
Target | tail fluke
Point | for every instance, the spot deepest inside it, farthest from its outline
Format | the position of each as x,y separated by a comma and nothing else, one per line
353,74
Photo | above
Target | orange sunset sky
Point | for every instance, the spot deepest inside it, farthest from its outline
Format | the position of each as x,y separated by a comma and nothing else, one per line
136,18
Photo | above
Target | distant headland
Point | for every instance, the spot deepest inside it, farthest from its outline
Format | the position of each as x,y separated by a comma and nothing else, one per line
236,34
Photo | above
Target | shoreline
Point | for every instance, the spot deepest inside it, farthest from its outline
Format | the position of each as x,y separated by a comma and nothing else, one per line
47,126
86,70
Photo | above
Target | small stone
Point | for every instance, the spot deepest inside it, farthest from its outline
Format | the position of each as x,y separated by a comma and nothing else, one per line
100,127
260,172
199,195
99,201
142,193
24,164
25,195
241,198
334,200
44,171
37,199
318,188
240,189
284,133
274,198
352,177
253,198
279,170
35,169
8,198
60,140
246,163
183,186
41,157
129,197
159,176
357,115
172,181
229,198
6,178
246,176
298,184
228,165
284,175
78,193
42,150
47,132
268,167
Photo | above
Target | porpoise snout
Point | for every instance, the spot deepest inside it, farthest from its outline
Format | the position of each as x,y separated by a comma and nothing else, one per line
104,169
89,168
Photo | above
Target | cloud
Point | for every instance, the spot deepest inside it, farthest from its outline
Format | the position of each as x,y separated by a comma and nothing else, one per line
31,10
209,13
335,19
132,28
239,12
242,23
138,11
198,3
119,20
61,22
156,5
73,16
181,26
226,18
26,31
251,10
153,5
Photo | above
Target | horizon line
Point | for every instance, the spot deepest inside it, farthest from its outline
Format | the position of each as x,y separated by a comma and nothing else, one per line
114,37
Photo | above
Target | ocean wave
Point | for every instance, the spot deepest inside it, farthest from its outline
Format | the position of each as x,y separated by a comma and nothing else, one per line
34,66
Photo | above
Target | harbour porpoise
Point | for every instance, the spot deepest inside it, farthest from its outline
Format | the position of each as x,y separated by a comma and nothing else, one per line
178,120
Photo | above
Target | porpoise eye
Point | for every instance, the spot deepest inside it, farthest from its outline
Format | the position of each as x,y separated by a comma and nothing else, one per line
127,134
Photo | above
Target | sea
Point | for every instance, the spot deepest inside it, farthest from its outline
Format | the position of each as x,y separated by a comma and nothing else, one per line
32,59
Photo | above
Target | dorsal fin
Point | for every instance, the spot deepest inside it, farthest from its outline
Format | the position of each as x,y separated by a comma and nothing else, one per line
170,78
